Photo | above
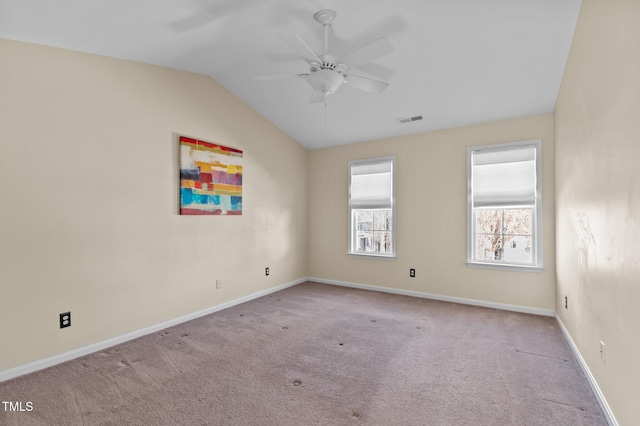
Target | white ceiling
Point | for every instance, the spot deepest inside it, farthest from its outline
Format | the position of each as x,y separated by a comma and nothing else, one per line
456,62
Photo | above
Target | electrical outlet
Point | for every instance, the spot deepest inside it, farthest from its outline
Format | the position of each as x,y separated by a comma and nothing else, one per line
266,271
602,351
566,302
65,320
412,273
218,283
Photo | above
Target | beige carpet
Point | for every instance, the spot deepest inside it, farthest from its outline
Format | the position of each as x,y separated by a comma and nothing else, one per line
316,354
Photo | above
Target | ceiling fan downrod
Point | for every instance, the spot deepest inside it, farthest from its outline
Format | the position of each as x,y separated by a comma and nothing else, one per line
325,17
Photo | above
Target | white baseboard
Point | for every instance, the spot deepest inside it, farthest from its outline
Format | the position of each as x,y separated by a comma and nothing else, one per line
592,381
40,364
474,302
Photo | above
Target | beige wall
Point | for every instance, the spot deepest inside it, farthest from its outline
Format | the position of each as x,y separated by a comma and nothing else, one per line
430,216
598,198
89,184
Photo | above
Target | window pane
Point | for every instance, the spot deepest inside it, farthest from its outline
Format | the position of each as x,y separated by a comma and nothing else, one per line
388,220
488,247
382,242
364,241
517,221
382,220
517,249
488,221
364,220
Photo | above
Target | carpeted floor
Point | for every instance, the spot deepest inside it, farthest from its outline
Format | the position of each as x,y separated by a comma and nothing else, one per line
316,354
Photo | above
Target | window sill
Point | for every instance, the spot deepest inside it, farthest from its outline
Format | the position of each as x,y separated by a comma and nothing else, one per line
517,268
373,255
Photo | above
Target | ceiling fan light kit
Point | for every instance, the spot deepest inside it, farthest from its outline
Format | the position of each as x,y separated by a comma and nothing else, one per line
328,72
325,81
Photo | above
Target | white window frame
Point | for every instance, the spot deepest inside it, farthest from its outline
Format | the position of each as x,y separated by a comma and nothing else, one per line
537,235
352,230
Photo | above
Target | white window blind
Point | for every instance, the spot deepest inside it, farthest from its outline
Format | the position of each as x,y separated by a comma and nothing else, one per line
504,177
371,185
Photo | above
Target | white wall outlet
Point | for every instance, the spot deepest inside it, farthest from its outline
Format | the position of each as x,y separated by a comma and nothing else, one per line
602,351
218,283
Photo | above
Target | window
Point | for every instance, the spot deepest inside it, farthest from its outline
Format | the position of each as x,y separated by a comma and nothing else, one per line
504,211
371,207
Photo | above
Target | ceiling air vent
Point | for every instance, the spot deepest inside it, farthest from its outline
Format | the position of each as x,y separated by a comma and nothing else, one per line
404,120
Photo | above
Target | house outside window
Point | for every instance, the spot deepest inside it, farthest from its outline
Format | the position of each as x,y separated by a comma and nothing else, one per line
371,207
504,206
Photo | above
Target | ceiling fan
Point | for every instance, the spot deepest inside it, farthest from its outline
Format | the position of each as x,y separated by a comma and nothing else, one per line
328,72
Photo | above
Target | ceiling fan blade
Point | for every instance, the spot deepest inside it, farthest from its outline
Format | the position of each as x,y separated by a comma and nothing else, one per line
368,53
300,47
316,97
278,77
366,84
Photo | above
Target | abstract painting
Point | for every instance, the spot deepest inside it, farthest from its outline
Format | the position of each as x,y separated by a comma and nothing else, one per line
210,178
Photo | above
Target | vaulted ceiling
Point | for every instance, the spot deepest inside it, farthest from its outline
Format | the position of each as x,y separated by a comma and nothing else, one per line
455,62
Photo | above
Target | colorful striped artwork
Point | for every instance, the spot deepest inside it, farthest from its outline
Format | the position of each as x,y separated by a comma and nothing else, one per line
210,178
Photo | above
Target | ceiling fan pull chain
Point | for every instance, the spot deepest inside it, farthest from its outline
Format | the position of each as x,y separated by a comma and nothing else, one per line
325,113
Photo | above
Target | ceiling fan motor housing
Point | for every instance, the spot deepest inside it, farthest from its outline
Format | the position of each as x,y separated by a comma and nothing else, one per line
329,62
